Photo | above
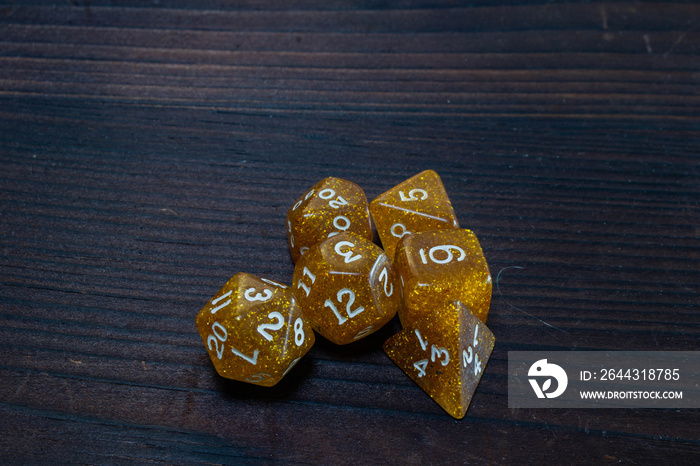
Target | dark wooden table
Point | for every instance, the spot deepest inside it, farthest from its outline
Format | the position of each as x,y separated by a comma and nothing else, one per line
149,150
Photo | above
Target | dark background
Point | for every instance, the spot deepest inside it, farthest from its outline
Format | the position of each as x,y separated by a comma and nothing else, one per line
149,150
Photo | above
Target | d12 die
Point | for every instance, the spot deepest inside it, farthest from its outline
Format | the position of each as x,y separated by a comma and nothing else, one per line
445,355
254,330
347,287
437,267
331,206
418,204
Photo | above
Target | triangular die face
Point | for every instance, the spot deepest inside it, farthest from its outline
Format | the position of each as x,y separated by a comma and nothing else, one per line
428,353
476,345
422,194
417,204
415,189
434,367
441,356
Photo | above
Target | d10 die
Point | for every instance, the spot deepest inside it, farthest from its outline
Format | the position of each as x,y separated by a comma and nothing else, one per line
331,206
347,287
254,330
437,267
444,354
418,204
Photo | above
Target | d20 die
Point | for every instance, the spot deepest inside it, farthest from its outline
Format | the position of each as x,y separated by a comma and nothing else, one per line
254,330
437,267
445,355
418,204
346,287
331,206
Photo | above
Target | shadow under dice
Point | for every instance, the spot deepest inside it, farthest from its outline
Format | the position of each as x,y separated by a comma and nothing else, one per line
254,330
330,207
437,267
418,204
445,355
347,287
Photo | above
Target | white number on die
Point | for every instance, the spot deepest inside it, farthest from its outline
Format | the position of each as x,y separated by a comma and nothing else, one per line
263,328
470,353
329,194
220,298
337,203
300,201
258,296
399,230
385,276
251,359
257,378
421,366
302,285
299,335
413,195
347,255
445,248
342,223
436,353
351,299
219,335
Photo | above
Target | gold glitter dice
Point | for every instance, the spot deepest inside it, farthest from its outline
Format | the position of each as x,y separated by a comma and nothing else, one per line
347,287
445,354
418,204
331,206
437,267
254,330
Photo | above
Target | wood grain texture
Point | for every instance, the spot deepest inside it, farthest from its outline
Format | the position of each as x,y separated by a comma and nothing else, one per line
150,150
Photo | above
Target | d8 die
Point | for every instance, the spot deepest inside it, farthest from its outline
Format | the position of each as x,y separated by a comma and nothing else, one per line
347,287
445,354
418,204
437,267
331,206
254,330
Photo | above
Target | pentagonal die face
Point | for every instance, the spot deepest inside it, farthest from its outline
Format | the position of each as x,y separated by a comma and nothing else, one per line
418,204
437,267
330,207
347,287
254,330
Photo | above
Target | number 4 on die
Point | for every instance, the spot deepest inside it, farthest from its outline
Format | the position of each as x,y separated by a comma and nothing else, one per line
445,354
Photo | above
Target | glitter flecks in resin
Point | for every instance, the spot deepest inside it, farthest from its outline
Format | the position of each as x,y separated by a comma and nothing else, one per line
445,355
254,330
418,204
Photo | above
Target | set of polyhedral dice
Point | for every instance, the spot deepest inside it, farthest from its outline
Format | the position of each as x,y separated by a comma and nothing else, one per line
345,287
